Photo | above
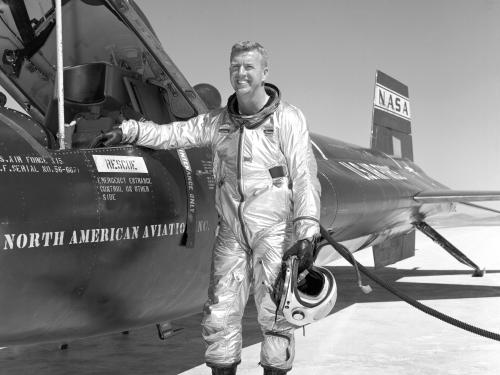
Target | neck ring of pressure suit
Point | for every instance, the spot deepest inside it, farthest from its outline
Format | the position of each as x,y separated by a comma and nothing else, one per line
306,297
253,121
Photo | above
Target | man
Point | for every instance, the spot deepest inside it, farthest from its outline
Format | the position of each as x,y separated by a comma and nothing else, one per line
267,198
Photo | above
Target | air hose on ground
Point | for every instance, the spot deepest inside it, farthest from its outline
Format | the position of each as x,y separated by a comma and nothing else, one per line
345,253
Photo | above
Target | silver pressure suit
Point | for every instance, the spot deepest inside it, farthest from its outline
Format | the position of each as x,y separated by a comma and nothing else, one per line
267,197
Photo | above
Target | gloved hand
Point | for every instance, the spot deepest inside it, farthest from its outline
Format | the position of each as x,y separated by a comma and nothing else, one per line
304,250
112,137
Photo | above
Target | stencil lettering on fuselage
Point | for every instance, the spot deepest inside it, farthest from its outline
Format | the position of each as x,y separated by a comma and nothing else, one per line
372,171
73,237
119,164
35,165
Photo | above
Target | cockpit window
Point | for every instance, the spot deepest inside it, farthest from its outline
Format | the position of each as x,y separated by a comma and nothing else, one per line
39,12
27,20
94,36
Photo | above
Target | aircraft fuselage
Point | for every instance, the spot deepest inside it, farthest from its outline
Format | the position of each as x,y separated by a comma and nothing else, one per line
92,240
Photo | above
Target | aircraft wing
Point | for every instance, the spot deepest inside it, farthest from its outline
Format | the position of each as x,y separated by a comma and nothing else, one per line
465,212
460,196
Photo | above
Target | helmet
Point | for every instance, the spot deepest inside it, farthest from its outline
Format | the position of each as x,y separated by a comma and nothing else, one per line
307,297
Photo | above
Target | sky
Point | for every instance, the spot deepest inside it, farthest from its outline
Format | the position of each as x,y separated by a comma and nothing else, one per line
324,55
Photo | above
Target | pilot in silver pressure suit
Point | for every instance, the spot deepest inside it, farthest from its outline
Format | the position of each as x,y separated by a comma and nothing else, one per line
267,198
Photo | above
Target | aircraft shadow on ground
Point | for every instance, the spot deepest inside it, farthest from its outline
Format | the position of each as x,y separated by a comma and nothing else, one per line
349,292
141,352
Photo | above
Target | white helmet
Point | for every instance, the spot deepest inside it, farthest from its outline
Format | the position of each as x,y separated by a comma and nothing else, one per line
307,297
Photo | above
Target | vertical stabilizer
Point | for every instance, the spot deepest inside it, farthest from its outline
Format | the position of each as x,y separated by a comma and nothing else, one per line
391,134
391,128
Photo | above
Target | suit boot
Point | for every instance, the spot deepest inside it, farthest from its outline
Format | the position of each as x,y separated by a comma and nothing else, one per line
274,371
224,370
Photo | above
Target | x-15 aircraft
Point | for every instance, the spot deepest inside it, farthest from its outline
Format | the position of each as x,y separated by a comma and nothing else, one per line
97,240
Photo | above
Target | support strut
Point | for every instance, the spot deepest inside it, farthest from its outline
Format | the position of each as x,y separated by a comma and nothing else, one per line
450,248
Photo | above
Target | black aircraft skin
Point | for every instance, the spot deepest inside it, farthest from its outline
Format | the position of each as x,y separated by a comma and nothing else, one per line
98,240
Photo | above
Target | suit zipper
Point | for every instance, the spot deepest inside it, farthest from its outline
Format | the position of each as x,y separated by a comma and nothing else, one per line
240,186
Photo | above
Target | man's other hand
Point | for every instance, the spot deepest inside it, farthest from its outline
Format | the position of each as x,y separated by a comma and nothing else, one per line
112,138
304,250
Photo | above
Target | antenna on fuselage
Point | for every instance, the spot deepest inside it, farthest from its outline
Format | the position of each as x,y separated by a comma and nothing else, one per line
60,71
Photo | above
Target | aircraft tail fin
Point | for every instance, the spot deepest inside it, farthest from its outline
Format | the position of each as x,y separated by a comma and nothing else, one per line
391,134
391,127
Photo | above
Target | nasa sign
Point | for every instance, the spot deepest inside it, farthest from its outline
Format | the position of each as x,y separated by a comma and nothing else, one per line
392,102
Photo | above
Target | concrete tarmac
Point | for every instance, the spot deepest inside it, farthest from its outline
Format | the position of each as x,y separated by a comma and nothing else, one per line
366,334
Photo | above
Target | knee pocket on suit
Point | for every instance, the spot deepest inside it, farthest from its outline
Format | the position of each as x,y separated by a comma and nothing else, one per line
229,284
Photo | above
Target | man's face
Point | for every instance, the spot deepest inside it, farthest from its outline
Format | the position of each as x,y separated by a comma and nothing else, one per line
246,72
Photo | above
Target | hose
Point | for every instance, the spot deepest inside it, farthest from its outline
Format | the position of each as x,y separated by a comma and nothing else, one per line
345,253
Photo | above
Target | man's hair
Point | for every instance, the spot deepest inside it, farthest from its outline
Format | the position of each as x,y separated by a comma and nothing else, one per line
247,46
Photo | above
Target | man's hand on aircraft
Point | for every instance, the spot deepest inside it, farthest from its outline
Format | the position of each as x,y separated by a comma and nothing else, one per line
304,250
112,138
